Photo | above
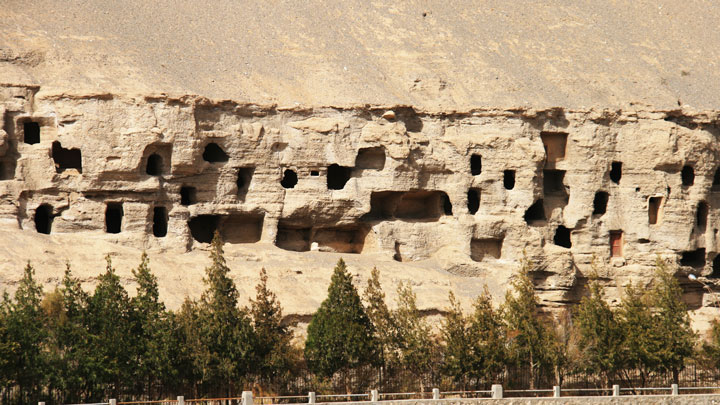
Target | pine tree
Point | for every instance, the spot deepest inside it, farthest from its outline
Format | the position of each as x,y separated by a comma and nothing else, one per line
225,330
413,334
190,356
71,340
111,335
152,331
340,334
474,345
526,333
601,339
487,341
642,342
457,342
382,320
25,338
273,337
672,321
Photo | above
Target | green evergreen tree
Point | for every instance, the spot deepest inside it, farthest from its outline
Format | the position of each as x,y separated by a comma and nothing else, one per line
382,320
678,340
25,338
340,334
642,342
487,340
72,340
414,336
457,341
600,336
526,333
273,348
225,330
190,356
152,331
112,340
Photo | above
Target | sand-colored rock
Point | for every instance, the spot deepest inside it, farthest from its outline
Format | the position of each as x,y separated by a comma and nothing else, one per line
379,191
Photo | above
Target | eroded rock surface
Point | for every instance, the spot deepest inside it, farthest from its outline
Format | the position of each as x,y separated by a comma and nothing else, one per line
447,201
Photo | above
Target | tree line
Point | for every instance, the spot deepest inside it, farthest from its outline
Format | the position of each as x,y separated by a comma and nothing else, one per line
69,345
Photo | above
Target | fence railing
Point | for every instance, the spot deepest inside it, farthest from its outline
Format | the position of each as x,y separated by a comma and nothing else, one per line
495,392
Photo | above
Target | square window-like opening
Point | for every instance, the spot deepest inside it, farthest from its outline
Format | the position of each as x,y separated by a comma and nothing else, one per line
31,132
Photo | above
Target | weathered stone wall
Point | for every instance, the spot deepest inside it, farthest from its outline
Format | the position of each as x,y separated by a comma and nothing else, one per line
467,193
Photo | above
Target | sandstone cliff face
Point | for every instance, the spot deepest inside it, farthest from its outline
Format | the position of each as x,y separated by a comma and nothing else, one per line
447,201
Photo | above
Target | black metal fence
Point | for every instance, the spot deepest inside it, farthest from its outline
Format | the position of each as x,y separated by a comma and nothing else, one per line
693,377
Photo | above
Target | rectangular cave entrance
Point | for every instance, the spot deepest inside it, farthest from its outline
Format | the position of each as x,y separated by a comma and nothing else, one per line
485,248
475,164
31,132
616,172
113,217
350,239
43,218
242,227
555,144
701,216
233,228
693,258
291,237
600,202
411,205
244,177
655,210
188,195
160,222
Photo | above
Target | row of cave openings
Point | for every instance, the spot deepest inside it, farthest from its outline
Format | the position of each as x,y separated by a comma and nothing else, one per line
114,213
373,158
156,165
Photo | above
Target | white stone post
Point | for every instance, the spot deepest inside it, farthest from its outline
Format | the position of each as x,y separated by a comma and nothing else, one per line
312,398
181,400
497,391
675,390
556,391
247,398
616,390
374,396
436,393
41,403
112,401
